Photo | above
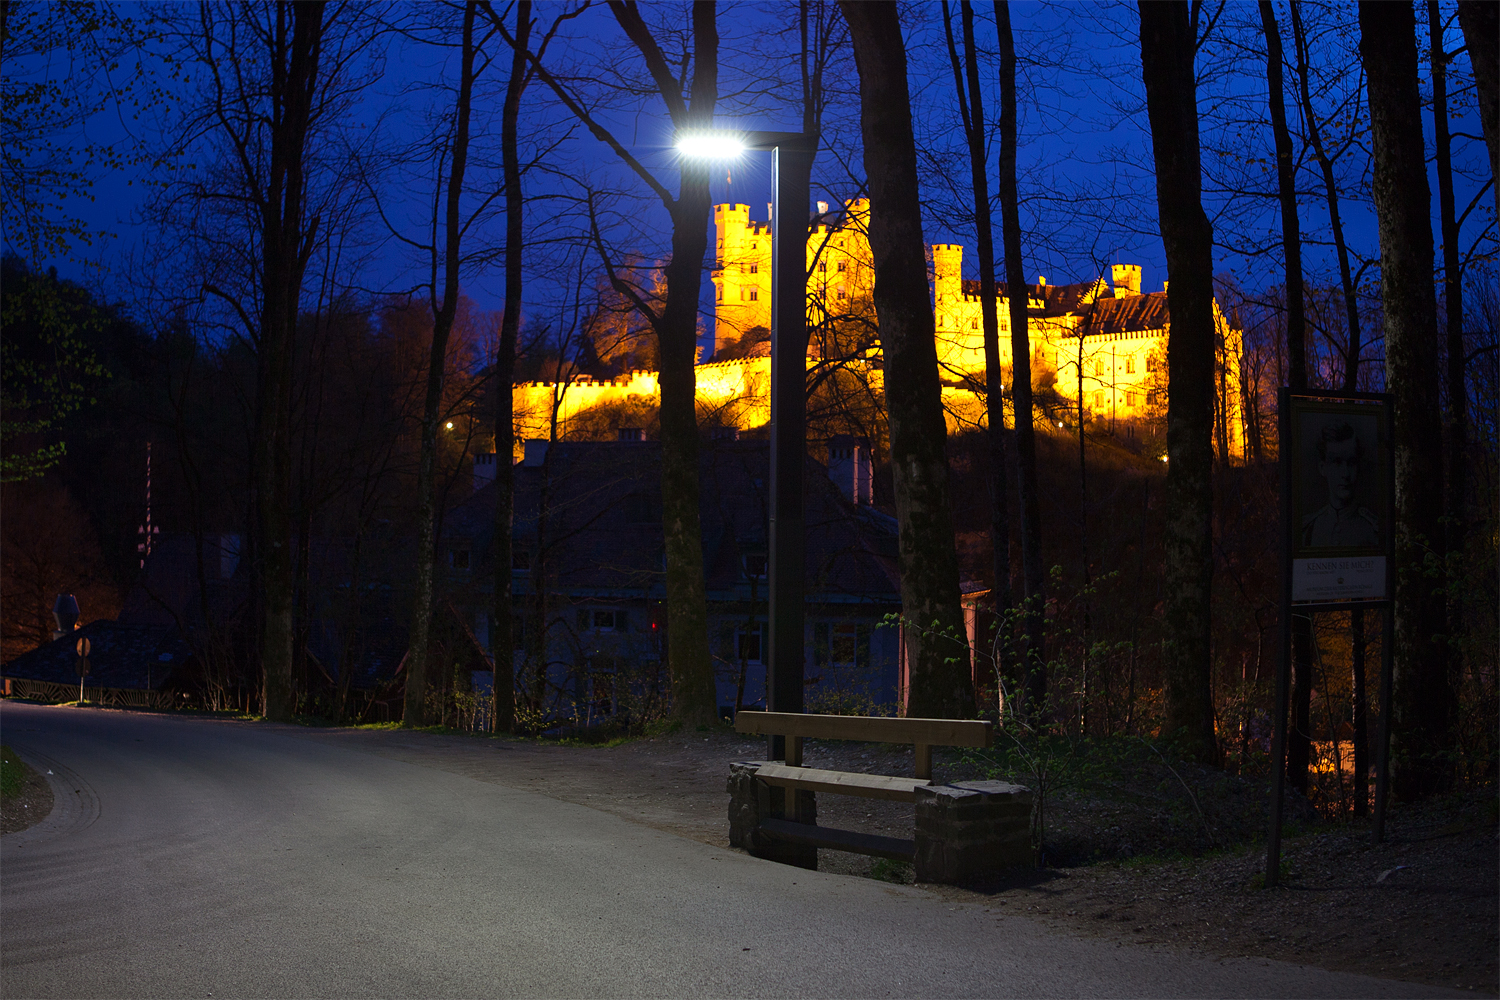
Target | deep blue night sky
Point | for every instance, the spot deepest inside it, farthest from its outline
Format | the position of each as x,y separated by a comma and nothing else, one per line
1086,155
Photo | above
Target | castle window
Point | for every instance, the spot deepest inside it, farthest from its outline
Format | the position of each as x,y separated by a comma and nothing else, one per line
973,324
752,246
754,295
749,644
842,264
843,294
1130,399
823,266
1150,363
754,268
720,296
1130,366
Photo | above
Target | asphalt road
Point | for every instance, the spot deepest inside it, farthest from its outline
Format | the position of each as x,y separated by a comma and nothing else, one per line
201,858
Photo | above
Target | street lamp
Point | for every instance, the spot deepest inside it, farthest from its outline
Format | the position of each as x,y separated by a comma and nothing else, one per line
791,185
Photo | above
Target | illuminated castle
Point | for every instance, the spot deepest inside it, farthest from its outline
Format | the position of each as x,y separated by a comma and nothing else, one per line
1105,340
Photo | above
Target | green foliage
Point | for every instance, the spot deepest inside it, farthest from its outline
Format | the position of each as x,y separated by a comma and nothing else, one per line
12,773
64,63
46,367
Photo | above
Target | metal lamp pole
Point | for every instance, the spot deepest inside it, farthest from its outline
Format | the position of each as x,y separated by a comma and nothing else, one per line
791,187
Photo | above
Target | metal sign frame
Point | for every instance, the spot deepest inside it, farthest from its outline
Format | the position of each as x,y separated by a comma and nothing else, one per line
1291,405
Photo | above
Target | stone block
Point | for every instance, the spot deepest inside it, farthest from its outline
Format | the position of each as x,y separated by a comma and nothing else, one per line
970,829
751,799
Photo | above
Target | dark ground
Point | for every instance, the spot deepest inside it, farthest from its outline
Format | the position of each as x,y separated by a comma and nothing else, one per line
31,799
1421,907
1171,856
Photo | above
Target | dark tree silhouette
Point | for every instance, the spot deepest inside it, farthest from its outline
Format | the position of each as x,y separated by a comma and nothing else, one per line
1168,43
1423,697
941,685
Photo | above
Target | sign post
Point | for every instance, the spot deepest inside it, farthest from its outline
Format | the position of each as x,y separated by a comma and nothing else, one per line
82,665
1338,544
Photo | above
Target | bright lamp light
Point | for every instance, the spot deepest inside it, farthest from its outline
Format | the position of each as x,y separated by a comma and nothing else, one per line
710,145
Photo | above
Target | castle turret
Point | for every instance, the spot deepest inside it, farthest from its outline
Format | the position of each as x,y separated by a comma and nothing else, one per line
1127,280
947,273
742,276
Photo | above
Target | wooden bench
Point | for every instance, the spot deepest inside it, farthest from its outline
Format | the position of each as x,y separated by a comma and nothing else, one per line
962,830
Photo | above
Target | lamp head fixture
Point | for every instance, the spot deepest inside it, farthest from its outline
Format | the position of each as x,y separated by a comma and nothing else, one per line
720,144
710,144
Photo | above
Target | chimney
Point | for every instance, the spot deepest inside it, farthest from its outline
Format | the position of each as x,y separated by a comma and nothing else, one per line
849,467
536,453
822,208
65,613
1127,280
484,470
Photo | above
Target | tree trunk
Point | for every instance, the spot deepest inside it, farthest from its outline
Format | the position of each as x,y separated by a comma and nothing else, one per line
1167,49
1033,569
1480,20
1422,702
502,642
940,682
442,326
1299,734
971,109
285,234
694,696
1456,416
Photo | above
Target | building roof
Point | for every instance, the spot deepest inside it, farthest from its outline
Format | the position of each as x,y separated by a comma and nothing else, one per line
603,536
1132,314
123,656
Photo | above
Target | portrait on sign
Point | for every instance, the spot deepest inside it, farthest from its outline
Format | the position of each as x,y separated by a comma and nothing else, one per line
1339,489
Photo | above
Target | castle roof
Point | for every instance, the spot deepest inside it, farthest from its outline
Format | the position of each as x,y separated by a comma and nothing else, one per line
1109,315
1132,314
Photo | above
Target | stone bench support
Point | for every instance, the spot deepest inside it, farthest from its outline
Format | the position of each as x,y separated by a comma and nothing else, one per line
963,831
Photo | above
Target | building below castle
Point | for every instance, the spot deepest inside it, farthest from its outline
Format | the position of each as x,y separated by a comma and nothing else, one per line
1104,343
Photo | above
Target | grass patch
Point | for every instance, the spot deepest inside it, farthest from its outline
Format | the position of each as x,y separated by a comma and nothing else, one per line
13,772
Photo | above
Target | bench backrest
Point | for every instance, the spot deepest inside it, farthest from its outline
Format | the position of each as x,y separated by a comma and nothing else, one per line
924,734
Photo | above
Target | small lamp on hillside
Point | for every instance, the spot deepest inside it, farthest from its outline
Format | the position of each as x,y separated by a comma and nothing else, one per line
791,174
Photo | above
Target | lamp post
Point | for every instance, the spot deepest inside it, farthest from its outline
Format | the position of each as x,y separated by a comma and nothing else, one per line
791,181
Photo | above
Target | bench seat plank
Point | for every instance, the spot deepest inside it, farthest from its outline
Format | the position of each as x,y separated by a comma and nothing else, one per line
936,732
870,786
839,840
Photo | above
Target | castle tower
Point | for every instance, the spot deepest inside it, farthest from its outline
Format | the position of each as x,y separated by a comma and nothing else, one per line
742,275
1127,280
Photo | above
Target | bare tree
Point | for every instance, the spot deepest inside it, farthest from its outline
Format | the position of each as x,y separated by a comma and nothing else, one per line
971,112
1033,568
449,260
941,684
1168,43
1480,20
690,104
1423,699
